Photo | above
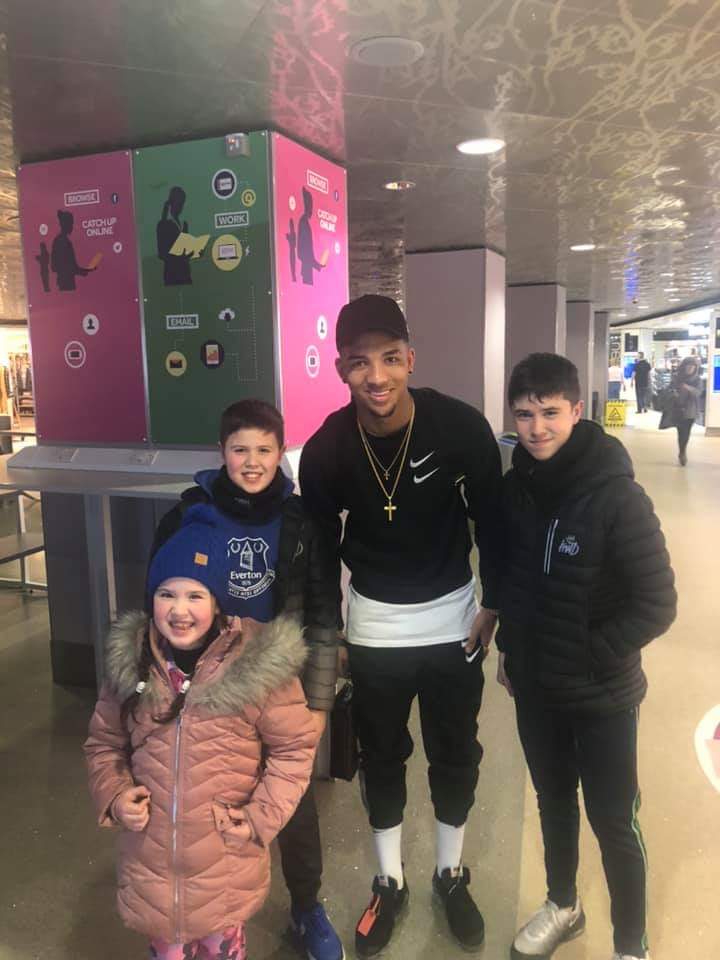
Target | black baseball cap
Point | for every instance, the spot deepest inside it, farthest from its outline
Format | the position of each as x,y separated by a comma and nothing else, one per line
367,313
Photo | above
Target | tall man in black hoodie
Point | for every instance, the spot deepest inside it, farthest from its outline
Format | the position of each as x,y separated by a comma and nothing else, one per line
409,467
587,583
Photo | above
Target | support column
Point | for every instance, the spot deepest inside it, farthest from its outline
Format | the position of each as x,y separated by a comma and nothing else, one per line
536,323
580,347
455,306
600,361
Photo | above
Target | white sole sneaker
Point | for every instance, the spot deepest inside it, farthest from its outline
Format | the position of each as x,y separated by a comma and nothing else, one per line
576,930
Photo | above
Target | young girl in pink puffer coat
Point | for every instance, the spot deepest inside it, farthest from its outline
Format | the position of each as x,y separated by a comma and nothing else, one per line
200,748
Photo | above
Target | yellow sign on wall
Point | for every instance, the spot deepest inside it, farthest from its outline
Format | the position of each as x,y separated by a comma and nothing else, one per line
615,413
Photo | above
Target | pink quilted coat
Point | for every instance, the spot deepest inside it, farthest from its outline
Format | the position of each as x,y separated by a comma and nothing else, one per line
240,752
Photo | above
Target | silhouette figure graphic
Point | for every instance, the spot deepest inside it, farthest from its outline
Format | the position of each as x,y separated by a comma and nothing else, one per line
305,249
291,238
62,258
177,268
43,258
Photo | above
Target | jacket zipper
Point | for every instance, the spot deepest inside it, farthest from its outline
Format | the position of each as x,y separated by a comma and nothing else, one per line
549,541
175,803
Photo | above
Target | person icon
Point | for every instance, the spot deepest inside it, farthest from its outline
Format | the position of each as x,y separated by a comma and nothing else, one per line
291,238
305,249
177,268
43,258
62,258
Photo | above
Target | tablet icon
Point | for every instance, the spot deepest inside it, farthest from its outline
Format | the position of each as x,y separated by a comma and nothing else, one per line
75,354
212,354
224,184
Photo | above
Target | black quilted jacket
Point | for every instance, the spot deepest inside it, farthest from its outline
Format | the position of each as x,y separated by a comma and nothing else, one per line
587,578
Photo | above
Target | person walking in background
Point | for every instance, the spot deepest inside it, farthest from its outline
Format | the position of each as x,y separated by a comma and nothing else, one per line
687,386
615,380
641,379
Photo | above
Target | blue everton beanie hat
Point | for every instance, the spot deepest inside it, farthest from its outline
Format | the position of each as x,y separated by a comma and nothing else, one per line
195,552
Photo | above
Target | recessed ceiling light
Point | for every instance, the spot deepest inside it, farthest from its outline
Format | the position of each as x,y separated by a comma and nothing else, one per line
481,146
671,274
671,289
674,299
386,51
400,185
582,247
622,314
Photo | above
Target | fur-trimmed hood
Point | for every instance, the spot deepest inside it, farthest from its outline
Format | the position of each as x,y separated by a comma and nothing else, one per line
232,674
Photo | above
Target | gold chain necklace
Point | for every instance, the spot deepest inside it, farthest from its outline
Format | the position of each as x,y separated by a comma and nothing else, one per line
390,507
386,470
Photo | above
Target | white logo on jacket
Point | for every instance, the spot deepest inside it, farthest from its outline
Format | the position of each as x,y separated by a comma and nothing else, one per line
253,575
569,546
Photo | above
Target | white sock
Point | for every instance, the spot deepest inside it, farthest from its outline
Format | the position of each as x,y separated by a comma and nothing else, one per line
449,846
388,847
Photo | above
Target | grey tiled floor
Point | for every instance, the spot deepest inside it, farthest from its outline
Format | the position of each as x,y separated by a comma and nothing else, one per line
56,868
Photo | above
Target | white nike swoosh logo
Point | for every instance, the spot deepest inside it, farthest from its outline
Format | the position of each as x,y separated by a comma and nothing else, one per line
419,463
421,479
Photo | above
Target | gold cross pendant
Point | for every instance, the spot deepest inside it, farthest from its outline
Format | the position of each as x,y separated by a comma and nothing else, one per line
389,509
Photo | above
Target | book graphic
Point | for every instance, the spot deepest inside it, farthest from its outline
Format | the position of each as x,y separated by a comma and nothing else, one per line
324,258
188,245
95,261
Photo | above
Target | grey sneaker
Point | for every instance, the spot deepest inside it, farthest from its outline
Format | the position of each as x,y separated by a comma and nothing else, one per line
627,956
547,929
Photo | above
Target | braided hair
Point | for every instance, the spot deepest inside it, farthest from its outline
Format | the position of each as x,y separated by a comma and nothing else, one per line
145,664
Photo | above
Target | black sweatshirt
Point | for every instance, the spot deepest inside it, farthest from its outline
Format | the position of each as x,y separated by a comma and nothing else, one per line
452,471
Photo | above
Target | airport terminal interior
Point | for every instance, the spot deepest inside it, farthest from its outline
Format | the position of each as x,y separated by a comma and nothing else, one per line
189,193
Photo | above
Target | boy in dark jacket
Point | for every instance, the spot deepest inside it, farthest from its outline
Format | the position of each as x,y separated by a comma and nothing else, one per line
587,584
275,565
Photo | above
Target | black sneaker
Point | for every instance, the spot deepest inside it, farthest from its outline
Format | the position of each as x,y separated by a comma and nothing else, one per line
375,929
464,919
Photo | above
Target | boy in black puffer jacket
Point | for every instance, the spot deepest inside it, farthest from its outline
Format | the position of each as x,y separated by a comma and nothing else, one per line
275,565
587,583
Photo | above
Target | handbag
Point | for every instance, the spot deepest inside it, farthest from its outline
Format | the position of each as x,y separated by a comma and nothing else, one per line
344,754
667,419
668,401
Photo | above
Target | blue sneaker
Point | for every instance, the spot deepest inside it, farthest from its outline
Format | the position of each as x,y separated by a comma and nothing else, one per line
317,934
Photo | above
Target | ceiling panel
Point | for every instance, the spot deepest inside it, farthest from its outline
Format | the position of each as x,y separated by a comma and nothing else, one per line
610,110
